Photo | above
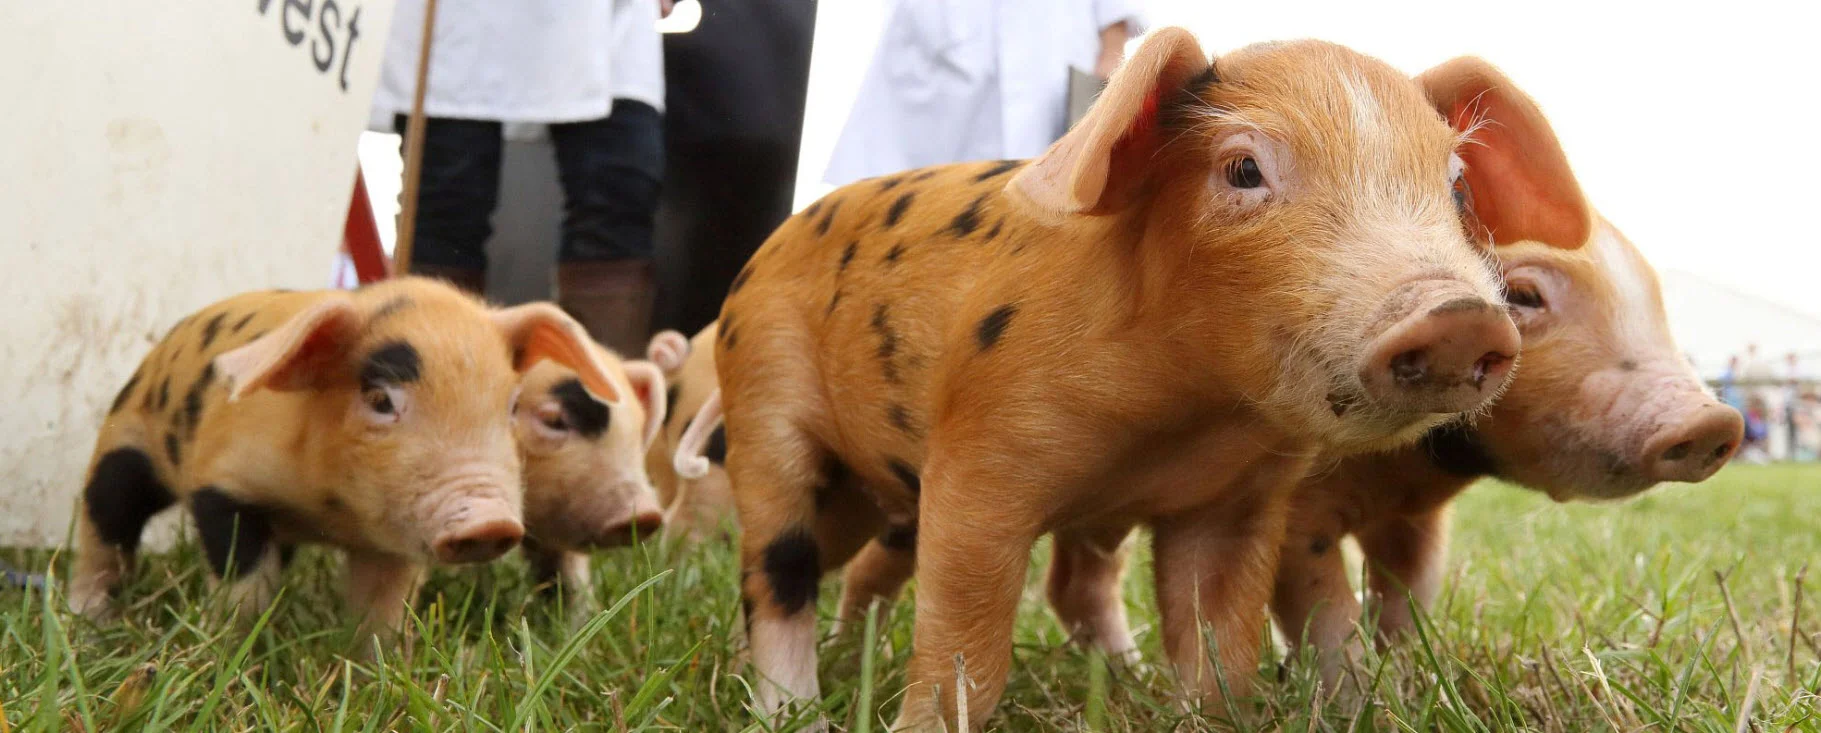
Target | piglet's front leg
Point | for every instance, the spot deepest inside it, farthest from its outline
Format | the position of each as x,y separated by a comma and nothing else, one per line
564,573
238,539
1215,568
1405,559
380,589
1314,602
974,542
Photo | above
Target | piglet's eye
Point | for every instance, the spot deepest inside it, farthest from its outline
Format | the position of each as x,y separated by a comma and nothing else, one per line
379,401
1523,296
555,422
1244,173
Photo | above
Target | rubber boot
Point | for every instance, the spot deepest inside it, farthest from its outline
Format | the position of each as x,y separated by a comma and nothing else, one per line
470,279
612,299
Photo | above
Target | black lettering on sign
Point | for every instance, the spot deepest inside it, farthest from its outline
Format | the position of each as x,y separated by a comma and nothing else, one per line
294,18
325,60
294,36
347,49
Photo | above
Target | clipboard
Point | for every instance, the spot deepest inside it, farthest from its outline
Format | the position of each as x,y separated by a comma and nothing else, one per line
1083,89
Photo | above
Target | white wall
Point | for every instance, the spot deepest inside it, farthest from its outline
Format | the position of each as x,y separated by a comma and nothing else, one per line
156,157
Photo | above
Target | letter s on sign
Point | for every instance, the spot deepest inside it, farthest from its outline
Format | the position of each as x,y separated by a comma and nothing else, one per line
326,59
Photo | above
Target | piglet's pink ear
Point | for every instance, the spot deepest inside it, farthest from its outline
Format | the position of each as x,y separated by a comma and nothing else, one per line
1098,165
649,385
539,331
1522,187
295,355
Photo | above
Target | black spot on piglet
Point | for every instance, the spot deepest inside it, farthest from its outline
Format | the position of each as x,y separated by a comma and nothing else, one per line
793,565
899,207
906,475
1456,449
998,169
586,416
899,537
396,362
827,219
192,401
235,534
123,492
212,329
993,325
125,392
968,220
242,323
716,450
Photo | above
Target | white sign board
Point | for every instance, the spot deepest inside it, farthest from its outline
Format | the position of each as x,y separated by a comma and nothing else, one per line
156,157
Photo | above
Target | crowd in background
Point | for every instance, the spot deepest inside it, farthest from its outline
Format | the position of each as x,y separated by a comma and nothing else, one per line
1781,404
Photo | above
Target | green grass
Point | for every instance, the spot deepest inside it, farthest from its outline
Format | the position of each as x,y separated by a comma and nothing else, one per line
1555,618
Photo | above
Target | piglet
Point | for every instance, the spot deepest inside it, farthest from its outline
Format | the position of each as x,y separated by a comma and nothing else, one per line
1225,269
377,421
1604,407
696,496
586,486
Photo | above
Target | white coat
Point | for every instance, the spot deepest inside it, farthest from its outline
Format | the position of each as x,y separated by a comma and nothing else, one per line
958,80
638,53
516,61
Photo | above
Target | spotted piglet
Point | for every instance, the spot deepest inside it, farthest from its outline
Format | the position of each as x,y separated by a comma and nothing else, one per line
377,421
696,497
1604,407
1224,269
586,486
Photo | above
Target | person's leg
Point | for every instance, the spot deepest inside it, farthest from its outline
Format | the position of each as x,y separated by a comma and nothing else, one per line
457,191
610,173
721,200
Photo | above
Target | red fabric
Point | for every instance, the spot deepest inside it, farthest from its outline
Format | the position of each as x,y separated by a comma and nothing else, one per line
360,236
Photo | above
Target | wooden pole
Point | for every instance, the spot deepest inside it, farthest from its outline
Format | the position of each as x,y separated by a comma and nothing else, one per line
414,150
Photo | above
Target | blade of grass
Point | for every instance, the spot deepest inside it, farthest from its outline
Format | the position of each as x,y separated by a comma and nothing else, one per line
572,648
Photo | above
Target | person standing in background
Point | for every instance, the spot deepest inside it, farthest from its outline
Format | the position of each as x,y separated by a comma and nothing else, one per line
737,87
604,271
985,80
551,62
1730,392
1792,399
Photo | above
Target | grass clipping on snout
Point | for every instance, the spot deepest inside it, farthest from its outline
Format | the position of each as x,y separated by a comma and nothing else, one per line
1550,618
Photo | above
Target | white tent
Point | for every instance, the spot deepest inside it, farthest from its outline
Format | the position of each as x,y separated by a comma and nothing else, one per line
1713,322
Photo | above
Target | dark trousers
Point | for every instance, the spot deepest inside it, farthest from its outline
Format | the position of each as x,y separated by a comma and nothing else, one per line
721,200
609,168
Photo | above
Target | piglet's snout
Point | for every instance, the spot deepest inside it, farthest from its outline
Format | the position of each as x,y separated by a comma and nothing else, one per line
480,518
1451,353
1694,446
642,519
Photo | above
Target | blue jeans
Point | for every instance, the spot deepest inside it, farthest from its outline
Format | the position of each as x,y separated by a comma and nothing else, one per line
609,168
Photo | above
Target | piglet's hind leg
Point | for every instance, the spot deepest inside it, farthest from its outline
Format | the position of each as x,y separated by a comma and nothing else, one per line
122,493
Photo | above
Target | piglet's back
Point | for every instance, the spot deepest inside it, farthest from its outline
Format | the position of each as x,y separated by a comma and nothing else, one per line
176,388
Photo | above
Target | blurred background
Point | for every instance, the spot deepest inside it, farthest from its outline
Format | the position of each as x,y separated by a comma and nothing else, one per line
1683,123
